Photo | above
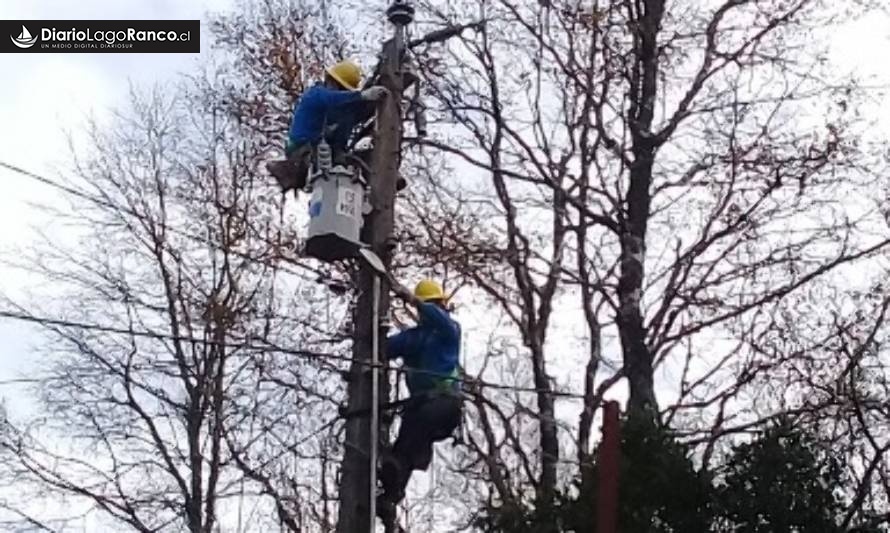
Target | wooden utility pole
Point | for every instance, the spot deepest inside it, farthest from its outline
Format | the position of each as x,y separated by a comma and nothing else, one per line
355,490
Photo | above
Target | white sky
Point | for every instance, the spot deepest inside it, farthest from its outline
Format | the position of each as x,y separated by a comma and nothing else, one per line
44,95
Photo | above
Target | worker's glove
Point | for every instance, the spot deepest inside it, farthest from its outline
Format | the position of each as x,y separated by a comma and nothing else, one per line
374,93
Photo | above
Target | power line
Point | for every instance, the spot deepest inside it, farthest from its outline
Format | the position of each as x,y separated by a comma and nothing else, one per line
270,347
19,381
321,276
45,321
163,226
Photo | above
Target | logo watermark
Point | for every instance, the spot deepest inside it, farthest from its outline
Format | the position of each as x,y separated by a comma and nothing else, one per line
24,39
161,36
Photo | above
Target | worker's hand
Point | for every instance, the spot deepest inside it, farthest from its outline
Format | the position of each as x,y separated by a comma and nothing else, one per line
374,93
401,291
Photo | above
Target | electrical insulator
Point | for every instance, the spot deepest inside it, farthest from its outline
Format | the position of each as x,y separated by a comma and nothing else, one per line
324,156
400,13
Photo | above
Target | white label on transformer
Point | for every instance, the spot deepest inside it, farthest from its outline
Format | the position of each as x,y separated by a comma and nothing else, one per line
349,203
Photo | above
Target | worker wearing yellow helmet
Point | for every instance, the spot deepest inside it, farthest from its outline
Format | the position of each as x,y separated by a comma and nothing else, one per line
430,352
335,105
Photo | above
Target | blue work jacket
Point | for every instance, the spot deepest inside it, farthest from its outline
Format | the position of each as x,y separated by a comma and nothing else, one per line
320,106
430,351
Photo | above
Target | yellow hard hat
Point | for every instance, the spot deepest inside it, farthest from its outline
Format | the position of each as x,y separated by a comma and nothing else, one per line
347,74
428,290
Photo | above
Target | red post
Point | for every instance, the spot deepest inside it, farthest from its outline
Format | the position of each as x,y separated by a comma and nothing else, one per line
609,457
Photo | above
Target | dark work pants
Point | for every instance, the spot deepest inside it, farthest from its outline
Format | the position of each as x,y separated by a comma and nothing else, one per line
425,422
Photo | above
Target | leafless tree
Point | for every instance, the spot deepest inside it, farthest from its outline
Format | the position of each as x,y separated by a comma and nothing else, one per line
175,321
651,172
194,351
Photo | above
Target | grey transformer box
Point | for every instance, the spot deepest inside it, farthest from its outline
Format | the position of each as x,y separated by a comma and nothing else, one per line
336,213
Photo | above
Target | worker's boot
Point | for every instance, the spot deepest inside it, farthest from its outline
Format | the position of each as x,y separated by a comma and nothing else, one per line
291,173
386,509
390,475
284,173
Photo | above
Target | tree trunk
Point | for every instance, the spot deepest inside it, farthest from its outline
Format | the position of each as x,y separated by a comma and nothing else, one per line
644,83
549,438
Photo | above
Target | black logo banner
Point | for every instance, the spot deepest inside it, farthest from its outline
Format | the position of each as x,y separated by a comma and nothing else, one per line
108,36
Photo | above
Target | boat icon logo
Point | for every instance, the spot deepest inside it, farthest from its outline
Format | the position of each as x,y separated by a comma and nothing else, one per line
24,40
